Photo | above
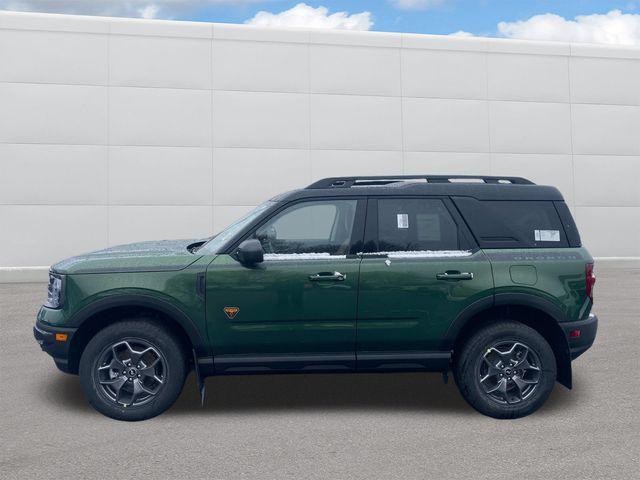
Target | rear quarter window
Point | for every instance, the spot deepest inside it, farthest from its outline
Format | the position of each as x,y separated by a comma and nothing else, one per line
513,224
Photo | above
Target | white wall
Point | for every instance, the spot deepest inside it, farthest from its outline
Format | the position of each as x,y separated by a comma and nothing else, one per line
117,130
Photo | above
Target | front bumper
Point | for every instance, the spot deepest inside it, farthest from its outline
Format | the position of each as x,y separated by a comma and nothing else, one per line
580,335
46,336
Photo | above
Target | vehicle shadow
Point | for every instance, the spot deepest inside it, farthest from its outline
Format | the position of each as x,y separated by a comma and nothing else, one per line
424,392
65,390
249,393
409,392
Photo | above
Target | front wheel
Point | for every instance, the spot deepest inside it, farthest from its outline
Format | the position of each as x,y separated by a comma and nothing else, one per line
132,370
506,370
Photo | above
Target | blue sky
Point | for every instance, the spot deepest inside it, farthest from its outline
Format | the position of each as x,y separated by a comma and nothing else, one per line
599,21
476,16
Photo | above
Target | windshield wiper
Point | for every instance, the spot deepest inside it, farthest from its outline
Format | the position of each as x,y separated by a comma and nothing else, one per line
194,247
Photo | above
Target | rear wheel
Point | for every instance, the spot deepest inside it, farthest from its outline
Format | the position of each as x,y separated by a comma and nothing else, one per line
506,370
132,370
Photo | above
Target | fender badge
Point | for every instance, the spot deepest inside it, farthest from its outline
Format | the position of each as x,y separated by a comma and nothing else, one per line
231,312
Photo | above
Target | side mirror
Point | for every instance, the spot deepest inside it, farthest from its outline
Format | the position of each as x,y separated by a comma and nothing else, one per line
250,252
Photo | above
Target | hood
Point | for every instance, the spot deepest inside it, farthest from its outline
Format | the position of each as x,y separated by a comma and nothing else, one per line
156,256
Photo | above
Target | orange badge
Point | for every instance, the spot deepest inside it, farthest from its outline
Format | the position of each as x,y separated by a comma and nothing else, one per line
231,311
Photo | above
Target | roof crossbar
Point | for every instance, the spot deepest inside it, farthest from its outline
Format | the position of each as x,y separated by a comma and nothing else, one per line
347,182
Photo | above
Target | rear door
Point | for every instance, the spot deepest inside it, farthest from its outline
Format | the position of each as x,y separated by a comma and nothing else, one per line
420,269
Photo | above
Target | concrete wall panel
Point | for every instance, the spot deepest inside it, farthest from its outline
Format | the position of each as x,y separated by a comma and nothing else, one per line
142,61
260,66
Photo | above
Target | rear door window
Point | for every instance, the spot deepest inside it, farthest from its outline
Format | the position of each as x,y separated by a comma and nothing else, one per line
415,224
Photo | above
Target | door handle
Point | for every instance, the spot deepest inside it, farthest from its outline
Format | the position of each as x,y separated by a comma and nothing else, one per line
454,275
327,276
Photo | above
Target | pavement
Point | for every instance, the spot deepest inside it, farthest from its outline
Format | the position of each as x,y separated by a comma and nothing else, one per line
366,426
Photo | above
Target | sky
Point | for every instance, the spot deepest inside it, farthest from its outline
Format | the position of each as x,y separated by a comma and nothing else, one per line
593,21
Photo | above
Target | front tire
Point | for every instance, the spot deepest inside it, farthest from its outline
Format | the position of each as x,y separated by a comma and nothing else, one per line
506,370
132,370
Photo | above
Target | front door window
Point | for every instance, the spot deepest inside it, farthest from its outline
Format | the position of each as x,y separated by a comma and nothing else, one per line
322,228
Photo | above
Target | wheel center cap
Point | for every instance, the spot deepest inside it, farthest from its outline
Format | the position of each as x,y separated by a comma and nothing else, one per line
132,372
508,371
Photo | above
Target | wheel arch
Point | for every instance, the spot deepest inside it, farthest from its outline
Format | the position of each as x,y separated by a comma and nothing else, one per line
535,312
107,311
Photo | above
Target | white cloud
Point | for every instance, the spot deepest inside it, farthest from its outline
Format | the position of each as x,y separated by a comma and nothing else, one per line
150,11
416,4
614,27
117,8
302,15
461,33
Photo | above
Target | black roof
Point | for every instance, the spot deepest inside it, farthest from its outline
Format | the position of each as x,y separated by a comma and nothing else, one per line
480,187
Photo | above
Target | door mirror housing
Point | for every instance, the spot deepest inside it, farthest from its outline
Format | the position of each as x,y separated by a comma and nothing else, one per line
250,252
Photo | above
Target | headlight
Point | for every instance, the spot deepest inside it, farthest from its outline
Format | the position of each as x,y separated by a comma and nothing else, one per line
55,291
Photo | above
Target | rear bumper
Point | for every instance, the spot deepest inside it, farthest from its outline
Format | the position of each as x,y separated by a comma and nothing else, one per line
45,335
586,331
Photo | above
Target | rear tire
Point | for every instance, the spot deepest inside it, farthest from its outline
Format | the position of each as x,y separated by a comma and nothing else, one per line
132,370
505,370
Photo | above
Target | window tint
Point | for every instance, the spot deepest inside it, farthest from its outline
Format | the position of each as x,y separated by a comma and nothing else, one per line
513,224
414,224
570,229
310,227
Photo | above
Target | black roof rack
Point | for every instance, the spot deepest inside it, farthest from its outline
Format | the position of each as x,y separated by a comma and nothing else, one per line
347,182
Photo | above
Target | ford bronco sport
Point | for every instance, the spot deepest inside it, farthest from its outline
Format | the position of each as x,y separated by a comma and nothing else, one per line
482,276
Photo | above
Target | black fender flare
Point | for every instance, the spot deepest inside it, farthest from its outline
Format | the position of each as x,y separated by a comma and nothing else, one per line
530,300
144,301
485,303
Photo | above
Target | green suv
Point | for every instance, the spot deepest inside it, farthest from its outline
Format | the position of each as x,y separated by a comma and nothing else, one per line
482,276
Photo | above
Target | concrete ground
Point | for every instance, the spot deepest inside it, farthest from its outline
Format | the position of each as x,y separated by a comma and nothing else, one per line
327,426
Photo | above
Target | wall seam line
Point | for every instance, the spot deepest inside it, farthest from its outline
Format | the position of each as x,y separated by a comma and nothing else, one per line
213,161
573,163
359,149
350,94
403,165
486,73
108,134
309,160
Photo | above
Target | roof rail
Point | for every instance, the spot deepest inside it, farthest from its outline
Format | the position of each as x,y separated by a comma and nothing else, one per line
347,182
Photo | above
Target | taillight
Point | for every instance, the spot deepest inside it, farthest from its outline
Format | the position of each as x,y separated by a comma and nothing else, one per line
590,280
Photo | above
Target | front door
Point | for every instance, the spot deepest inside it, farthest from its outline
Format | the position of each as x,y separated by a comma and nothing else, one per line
297,309
420,271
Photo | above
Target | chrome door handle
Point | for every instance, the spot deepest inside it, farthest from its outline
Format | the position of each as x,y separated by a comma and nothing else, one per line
451,275
327,276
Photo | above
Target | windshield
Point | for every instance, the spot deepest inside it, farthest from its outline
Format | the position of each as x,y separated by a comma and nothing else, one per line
216,243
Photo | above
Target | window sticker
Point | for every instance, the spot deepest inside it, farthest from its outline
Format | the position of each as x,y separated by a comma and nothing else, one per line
403,220
547,235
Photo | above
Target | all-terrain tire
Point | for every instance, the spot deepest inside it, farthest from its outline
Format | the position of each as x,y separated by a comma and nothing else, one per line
133,370
491,375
